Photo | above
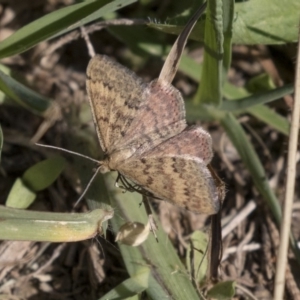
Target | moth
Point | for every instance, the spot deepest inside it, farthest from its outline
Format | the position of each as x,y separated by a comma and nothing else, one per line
143,132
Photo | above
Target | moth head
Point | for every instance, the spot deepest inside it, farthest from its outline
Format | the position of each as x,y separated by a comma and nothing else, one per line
103,167
117,157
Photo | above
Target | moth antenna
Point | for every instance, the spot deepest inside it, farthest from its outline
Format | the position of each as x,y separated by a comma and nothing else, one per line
68,151
88,186
81,155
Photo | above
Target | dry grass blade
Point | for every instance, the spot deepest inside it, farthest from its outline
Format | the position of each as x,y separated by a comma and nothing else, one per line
289,191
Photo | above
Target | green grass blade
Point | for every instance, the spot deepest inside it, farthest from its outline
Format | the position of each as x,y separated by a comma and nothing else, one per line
265,97
169,278
24,225
270,117
141,41
211,83
196,112
233,92
8,72
49,25
189,67
24,96
217,57
104,10
252,162
130,287
1,142
228,17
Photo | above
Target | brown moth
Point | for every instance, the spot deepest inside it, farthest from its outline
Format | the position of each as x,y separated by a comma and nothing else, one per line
143,132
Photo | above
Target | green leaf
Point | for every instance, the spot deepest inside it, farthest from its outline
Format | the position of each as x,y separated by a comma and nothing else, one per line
172,28
20,196
222,291
51,24
44,173
36,178
23,95
136,284
266,22
252,24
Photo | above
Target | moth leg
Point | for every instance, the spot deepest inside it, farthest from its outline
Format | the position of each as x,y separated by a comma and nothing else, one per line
125,185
